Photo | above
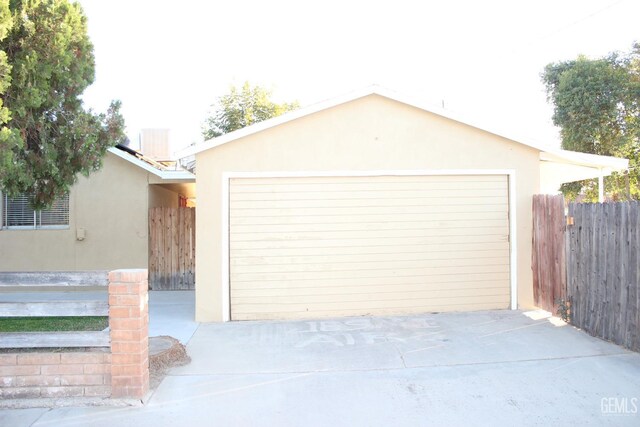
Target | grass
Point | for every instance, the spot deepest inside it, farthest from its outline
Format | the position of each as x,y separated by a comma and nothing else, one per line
49,324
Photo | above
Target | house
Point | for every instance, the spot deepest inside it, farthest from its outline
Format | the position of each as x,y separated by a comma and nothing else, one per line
369,204
102,224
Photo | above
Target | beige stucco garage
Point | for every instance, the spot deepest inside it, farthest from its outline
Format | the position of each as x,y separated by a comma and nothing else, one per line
368,204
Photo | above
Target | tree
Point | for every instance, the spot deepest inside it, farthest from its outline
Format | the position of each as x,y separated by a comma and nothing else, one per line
47,137
5,24
597,107
242,107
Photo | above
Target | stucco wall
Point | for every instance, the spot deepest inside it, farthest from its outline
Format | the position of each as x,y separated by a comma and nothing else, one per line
372,133
161,197
111,205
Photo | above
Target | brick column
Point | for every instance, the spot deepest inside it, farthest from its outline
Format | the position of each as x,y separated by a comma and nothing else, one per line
129,323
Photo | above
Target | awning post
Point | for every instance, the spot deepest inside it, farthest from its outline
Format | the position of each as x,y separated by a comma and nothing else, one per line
600,186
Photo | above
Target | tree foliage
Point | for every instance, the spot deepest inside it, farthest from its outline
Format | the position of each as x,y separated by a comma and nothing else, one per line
597,107
6,22
242,107
47,136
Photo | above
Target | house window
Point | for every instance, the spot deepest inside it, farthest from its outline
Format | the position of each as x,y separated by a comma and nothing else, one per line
18,214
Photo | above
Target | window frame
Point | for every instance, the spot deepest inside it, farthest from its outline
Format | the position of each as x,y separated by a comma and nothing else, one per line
37,217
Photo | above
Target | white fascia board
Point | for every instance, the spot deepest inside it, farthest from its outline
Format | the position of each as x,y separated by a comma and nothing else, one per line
177,175
607,163
164,175
370,90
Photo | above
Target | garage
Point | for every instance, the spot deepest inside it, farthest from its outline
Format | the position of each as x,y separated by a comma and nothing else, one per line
326,246
372,203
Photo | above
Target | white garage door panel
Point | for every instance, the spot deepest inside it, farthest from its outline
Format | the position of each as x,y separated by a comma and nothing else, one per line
371,306
453,281
309,218
421,194
306,247
359,184
339,298
242,255
379,257
328,227
455,202
435,265
243,295
369,234
429,241
296,275
301,212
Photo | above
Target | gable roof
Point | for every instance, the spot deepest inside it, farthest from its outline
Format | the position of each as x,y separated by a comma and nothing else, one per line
151,166
333,102
548,153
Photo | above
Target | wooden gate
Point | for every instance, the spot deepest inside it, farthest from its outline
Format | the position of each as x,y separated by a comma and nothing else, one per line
172,248
604,270
549,255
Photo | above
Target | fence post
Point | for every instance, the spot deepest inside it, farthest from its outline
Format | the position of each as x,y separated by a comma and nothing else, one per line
129,324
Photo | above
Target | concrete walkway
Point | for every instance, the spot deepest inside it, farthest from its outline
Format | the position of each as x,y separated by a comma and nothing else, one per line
172,313
485,368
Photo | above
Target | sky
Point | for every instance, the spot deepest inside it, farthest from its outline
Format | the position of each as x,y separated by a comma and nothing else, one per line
168,61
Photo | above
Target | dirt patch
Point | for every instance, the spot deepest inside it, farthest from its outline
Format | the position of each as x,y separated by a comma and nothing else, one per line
164,353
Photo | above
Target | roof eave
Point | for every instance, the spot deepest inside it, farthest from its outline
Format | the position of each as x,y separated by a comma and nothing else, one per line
162,174
606,163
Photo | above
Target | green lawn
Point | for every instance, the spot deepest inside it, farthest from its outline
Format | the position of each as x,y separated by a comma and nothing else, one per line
46,324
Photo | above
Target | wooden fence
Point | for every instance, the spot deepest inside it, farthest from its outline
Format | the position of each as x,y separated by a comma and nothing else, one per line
172,237
596,273
603,271
548,255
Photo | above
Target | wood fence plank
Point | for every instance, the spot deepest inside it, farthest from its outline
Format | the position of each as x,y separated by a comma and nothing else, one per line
619,293
548,255
598,241
153,253
181,242
535,251
162,251
571,256
582,268
631,277
606,274
192,245
623,287
175,244
166,268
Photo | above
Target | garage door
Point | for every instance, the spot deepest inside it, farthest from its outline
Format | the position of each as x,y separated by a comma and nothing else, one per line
339,246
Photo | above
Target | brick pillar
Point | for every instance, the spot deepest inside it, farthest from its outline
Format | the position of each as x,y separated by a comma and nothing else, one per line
129,323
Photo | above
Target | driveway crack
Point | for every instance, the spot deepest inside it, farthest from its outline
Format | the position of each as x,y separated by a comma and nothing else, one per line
404,364
417,366
40,416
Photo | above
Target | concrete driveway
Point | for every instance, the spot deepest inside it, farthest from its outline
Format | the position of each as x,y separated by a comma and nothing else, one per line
484,368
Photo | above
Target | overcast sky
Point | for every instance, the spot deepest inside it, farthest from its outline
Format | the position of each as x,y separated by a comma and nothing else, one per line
168,60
